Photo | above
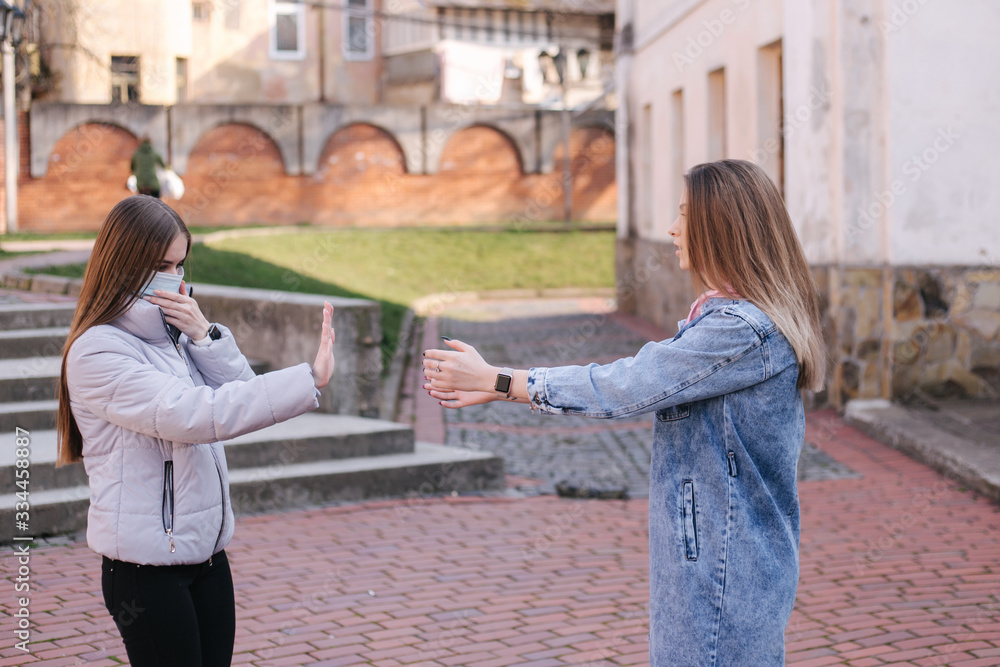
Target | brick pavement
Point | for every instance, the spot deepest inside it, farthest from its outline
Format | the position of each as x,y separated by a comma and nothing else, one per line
899,566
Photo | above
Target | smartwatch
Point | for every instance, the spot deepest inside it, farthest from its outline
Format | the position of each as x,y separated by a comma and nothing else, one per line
213,332
505,378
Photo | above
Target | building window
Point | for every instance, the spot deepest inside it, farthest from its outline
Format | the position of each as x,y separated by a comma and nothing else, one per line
288,31
473,26
124,79
676,148
770,154
201,11
489,24
182,79
646,181
359,30
233,14
717,115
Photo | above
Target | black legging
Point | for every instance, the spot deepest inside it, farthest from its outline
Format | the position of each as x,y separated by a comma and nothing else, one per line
171,615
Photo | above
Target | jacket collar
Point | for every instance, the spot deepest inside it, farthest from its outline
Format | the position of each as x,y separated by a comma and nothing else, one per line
709,304
144,321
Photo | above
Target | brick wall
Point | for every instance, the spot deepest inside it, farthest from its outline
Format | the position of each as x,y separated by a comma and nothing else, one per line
235,176
86,177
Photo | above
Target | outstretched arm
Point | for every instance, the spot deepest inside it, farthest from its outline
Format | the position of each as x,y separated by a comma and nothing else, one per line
721,354
460,377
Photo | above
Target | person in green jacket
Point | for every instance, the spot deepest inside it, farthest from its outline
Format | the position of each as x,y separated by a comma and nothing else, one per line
145,160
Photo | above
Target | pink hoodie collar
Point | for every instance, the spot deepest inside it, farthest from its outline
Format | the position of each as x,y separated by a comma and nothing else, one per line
705,296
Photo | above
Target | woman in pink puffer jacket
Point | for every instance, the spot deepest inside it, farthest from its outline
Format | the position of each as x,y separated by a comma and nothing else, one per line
148,389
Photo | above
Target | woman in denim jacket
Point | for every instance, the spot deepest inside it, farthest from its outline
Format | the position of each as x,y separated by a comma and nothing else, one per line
726,390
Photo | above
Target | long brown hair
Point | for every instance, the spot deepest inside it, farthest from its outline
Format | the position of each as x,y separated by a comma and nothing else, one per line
740,236
129,248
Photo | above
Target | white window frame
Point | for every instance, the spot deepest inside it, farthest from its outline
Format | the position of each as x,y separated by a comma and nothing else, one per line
286,7
366,14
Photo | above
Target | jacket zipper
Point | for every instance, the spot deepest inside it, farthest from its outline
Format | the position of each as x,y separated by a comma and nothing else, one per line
175,341
222,489
168,502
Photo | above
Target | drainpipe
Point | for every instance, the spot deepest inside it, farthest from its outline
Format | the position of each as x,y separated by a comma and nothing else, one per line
322,53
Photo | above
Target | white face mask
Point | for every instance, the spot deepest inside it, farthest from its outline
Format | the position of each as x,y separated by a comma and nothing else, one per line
168,282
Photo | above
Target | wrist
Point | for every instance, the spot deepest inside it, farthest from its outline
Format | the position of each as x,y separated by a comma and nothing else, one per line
487,379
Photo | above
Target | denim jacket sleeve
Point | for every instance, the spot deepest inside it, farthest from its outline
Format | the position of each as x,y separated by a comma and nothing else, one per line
721,352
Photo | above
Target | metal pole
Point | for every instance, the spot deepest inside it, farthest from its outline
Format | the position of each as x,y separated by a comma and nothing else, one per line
567,170
12,147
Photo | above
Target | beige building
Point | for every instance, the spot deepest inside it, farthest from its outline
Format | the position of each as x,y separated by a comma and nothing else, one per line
360,52
164,52
877,119
489,52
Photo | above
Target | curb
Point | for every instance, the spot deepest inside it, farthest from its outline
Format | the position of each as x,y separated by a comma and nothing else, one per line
435,304
41,282
974,464
392,385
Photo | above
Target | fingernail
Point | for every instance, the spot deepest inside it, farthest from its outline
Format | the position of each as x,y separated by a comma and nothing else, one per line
445,338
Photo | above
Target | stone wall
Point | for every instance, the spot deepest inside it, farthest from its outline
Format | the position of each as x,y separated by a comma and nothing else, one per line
946,335
649,283
362,174
280,329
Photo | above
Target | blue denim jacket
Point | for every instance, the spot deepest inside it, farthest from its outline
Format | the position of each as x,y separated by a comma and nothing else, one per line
723,502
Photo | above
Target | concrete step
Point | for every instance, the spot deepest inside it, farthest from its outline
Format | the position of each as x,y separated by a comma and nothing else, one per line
30,415
20,343
36,378
307,438
35,315
428,470
29,379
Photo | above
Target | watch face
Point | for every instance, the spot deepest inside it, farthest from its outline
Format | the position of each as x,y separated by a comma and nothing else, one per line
503,384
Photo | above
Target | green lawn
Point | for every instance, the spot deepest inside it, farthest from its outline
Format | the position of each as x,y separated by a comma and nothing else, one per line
397,266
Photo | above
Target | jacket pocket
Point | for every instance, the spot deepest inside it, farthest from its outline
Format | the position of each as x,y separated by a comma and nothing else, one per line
689,523
674,412
168,502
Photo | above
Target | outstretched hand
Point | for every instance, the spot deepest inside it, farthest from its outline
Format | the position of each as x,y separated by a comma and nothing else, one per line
322,368
459,377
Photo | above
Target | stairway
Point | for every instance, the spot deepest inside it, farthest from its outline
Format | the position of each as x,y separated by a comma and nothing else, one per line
307,461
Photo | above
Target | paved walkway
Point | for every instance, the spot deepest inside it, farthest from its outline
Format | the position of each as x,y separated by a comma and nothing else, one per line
899,565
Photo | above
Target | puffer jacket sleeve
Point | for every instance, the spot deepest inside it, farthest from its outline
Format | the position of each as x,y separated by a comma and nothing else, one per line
115,383
220,361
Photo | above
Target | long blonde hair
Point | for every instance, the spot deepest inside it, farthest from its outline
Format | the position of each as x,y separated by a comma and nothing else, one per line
741,236
129,248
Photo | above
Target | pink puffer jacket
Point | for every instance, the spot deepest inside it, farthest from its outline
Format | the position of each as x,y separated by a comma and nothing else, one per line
152,411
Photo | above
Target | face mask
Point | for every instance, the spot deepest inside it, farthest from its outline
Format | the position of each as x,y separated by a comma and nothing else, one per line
168,282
